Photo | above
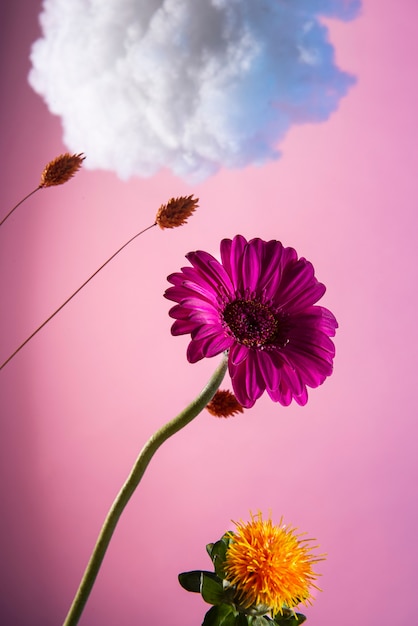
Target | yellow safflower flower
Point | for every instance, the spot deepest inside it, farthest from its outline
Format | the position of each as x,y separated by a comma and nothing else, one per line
269,566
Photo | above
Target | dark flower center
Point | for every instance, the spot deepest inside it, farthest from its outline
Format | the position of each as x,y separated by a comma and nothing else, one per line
252,323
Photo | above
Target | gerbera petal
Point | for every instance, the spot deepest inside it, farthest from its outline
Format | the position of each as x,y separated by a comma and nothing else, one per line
198,304
238,354
182,327
270,367
282,394
231,255
208,346
290,378
310,336
193,279
254,379
186,290
194,351
252,258
206,331
312,367
176,278
318,317
189,288
239,386
205,317
299,288
285,394
248,378
211,269
271,269
179,312
303,398
216,344
225,248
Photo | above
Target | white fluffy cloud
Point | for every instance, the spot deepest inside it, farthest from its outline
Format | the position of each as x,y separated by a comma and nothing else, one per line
190,85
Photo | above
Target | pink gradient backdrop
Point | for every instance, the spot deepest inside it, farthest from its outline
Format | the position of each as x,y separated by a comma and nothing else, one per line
80,400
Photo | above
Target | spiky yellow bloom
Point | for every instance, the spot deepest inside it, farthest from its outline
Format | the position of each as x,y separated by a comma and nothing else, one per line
270,565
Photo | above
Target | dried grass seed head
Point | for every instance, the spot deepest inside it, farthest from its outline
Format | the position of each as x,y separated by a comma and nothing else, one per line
176,212
61,169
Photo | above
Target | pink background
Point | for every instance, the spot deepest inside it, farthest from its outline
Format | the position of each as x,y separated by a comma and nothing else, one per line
80,400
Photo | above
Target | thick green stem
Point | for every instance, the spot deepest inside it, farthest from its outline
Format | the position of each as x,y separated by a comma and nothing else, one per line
124,495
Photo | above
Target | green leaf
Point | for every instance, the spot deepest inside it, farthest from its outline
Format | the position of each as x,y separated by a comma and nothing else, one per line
261,620
218,554
192,581
222,615
211,588
242,620
289,619
227,537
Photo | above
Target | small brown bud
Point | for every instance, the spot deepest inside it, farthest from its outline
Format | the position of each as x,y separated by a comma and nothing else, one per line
60,170
224,404
176,211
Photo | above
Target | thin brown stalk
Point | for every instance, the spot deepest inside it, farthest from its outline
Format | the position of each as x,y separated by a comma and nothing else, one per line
19,203
35,332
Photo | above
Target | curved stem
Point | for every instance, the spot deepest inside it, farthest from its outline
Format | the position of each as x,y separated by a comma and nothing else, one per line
35,332
19,203
124,495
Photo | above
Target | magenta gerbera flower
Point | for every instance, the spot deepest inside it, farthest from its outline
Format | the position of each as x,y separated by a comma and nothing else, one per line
259,304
